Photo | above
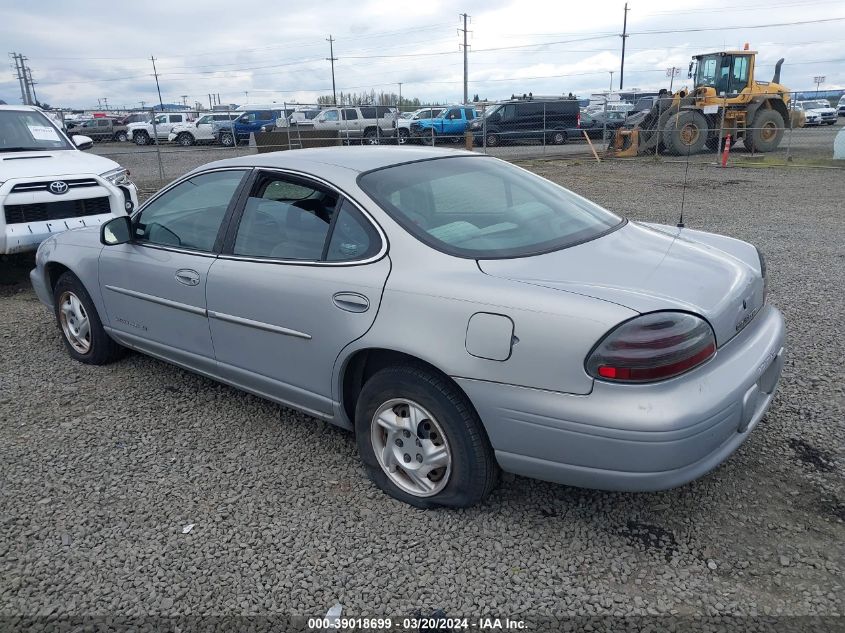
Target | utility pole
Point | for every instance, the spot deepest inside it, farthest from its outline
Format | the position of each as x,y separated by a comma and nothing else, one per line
611,80
155,72
28,78
466,74
19,75
210,105
624,37
106,103
143,103
819,80
332,59
399,105
672,73
185,100
25,80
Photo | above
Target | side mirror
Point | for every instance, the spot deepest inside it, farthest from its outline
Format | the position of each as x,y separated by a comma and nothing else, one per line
82,142
116,231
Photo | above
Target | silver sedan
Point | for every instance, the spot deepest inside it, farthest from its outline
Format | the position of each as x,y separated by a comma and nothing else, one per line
460,314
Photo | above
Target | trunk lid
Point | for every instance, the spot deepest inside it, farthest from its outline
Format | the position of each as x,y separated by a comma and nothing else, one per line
646,269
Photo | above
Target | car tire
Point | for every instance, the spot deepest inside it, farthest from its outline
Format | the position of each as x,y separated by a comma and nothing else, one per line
121,136
371,137
492,139
227,140
141,138
82,331
449,459
557,137
403,135
766,131
185,139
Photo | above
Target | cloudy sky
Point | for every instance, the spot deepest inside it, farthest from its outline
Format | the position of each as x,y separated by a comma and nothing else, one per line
81,51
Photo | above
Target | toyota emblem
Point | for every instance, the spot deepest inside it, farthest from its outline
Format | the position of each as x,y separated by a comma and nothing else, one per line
58,187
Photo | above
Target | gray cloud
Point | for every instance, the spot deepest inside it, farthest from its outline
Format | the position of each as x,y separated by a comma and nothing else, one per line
87,50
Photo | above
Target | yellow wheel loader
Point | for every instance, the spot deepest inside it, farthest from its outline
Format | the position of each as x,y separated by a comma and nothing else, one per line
726,100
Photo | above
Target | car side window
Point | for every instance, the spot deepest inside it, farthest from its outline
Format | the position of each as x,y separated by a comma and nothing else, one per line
285,218
330,115
350,114
175,118
190,214
103,123
353,237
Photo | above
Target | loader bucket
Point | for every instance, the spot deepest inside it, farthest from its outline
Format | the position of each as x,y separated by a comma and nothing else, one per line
625,143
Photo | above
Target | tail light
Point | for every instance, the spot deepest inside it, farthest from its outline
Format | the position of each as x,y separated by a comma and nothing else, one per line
578,120
652,347
763,274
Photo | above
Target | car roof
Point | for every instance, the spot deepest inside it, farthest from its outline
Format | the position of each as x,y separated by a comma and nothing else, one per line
322,160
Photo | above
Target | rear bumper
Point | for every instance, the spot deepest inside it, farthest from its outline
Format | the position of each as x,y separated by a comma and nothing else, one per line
638,437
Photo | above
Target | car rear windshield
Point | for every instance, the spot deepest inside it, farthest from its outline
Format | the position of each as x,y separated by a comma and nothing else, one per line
483,208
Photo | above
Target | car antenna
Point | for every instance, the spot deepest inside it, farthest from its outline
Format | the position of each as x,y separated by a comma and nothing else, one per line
680,224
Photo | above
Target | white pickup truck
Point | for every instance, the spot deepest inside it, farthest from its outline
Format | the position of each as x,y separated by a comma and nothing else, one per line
143,132
47,185
199,131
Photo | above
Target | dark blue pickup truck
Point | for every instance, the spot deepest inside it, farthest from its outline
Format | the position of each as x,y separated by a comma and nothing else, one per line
229,133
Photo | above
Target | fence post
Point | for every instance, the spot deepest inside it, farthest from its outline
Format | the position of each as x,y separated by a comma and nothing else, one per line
657,127
158,149
604,125
789,140
544,128
722,130
484,129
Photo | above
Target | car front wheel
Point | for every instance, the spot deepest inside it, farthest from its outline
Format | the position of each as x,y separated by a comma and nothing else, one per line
421,441
141,138
82,331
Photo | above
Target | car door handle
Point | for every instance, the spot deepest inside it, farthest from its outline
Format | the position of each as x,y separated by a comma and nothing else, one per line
188,277
351,301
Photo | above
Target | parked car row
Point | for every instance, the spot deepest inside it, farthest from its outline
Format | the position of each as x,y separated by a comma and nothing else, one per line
817,112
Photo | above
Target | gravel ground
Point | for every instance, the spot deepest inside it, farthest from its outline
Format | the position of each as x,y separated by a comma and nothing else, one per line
103,467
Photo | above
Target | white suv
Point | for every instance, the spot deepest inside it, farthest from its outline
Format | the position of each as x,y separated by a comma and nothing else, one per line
144,132
47,185
199,131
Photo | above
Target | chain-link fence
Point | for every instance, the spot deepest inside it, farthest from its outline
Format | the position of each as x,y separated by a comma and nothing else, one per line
158,147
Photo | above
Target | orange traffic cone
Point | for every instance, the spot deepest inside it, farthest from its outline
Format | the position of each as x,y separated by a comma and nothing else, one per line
726,150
